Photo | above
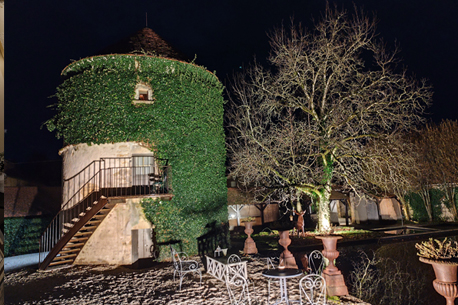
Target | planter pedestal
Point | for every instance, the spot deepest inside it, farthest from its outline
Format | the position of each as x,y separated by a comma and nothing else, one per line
286,255
250,245
335,284
446,279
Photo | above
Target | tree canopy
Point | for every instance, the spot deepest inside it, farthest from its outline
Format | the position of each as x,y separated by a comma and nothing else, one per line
306,122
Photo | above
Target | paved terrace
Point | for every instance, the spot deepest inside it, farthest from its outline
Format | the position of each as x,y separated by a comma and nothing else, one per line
120,285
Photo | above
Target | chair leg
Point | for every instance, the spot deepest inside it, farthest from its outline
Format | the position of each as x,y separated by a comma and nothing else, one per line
268,291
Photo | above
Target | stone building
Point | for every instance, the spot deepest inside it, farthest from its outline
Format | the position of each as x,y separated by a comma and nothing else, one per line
130,118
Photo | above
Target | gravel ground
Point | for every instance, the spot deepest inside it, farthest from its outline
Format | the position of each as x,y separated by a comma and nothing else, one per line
120,285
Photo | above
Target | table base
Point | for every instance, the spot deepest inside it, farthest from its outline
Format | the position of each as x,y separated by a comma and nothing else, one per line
284,294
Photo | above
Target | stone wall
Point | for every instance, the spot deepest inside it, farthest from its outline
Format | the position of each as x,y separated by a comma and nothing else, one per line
111,243
76,158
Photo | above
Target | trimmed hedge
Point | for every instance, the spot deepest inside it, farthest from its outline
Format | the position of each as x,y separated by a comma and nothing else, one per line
22,234
183,125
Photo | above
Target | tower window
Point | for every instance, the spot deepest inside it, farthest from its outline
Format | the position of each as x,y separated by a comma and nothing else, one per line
143,94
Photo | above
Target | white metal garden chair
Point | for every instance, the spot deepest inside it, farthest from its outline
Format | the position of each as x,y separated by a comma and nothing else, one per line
183,265
312,290
316,262
237,288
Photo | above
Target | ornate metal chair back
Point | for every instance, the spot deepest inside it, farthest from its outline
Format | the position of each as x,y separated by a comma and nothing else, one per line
237,288
316,262
176,260
312,289
183,265
232,267
271,262
233,258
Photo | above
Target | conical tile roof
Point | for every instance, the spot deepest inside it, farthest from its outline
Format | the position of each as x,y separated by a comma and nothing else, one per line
145,41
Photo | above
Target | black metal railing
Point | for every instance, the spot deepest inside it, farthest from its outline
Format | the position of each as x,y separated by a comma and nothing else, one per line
109,177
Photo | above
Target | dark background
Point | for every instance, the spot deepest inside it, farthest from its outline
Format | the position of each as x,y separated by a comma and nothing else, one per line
42,37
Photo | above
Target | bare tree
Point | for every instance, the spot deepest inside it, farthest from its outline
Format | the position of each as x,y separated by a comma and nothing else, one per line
304,124
394,170
438,145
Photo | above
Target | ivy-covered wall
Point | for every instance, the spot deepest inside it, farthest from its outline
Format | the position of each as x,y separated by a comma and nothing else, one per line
22,234
183,125
418,207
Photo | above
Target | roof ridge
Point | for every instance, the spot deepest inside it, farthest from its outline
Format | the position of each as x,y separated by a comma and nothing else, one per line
146,42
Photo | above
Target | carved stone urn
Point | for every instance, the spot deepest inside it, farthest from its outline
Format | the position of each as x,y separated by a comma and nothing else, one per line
286,255
335,283
446,278
250,245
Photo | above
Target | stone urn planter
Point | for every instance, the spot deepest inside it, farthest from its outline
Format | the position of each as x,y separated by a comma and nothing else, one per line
446,278
288,258
250,245
335,283
443,256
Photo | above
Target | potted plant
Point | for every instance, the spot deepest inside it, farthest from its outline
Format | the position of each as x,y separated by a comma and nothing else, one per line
248,219
443,256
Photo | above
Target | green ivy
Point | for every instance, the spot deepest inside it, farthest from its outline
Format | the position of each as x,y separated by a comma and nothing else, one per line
22,234
183,125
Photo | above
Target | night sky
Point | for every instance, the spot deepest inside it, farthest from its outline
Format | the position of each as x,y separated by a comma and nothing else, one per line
42,37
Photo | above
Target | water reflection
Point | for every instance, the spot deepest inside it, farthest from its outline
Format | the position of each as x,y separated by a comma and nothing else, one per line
398,276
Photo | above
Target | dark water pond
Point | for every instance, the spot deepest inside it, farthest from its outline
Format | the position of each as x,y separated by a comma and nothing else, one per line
395,275
399,278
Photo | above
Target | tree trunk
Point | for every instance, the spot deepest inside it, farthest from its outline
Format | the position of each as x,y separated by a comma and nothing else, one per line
449,191
424,193
324,212
404,206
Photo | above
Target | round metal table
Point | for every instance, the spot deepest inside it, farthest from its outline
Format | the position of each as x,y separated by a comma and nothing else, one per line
282,275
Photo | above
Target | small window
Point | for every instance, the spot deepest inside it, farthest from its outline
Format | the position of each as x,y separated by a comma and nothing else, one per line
143,94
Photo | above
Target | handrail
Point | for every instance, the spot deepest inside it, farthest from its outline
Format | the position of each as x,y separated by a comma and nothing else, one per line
87,166
77,192
119,176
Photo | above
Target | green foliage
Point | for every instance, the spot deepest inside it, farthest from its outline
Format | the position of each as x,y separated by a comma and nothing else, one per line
22,234
436,199
173,224
418,208
183,125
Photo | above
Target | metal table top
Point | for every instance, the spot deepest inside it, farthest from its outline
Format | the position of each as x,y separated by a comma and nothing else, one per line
281,273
